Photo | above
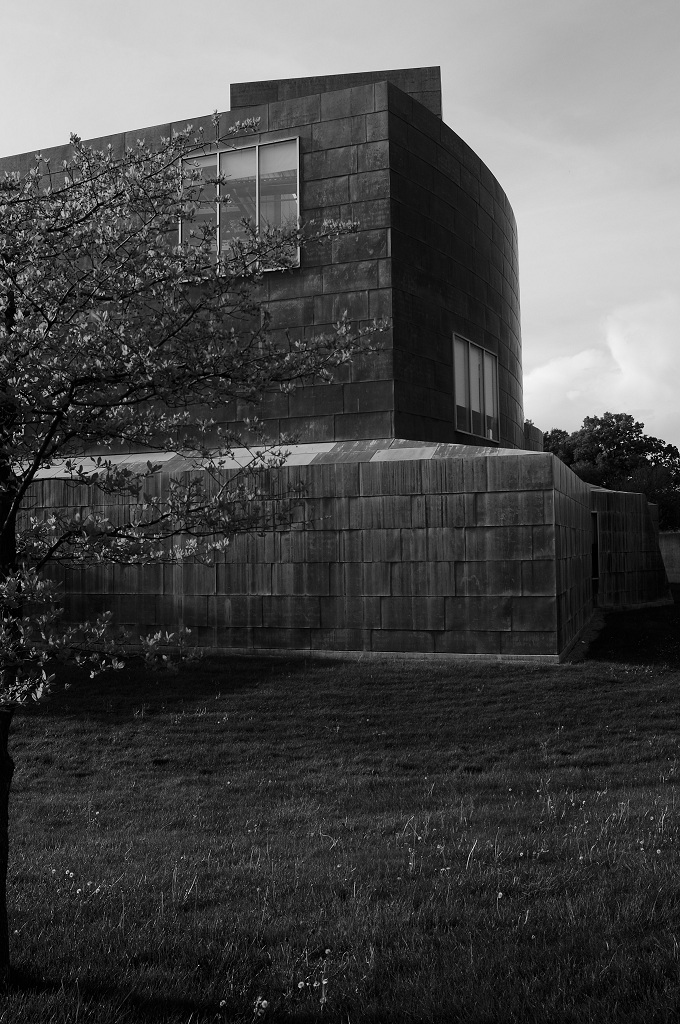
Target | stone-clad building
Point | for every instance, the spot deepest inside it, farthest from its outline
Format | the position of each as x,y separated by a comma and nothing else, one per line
428,525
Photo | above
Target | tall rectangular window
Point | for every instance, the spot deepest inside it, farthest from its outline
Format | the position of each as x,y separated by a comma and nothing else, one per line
239,168
205,217
476,389
490,392
279,185
475,386
262,183
461,376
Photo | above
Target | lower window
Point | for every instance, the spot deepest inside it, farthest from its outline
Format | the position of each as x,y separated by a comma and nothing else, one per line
475,380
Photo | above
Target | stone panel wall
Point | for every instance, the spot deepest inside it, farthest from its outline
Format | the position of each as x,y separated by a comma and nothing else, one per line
631,569
344,176
431,549
454,269
374,150
439,549
573,552
424,84
669,544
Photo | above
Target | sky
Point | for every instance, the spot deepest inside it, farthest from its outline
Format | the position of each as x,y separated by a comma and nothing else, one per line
574,105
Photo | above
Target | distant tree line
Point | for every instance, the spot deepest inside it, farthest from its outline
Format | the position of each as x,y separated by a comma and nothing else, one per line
612,451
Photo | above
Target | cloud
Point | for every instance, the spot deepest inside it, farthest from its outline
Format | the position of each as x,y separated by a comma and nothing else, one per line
634,368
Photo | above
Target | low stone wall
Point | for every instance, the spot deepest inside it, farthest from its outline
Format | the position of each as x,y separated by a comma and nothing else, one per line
669,543
399,547
434,549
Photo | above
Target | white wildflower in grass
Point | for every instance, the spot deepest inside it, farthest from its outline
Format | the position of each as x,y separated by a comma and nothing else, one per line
260,1007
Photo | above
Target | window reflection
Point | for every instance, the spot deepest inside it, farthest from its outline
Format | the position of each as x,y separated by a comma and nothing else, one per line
261,183
476,392
475,384
462,383
278,185
239,168
490,392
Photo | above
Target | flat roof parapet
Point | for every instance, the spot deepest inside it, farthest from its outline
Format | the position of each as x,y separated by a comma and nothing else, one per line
423,84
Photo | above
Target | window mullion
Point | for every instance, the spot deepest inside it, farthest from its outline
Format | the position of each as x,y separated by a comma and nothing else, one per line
257,189
218,211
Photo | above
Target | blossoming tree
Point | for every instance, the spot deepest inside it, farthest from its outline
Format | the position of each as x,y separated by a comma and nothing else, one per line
115,331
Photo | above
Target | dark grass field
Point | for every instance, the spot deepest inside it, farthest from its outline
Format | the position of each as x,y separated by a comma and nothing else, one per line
291,840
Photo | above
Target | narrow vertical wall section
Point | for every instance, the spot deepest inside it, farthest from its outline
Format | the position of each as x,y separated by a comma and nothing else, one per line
573,554
631,567
455,270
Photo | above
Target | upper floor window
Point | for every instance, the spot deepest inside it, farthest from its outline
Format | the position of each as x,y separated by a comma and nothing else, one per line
475,376
263,185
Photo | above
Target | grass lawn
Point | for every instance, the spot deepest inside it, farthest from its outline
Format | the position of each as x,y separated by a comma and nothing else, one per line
354,842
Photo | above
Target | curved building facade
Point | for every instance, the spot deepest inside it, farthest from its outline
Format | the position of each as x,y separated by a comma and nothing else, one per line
435,252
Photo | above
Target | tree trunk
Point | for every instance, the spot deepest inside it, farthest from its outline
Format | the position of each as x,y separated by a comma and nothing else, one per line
6,772
8,558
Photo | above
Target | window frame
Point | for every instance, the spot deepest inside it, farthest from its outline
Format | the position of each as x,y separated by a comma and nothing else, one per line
482,385
216,152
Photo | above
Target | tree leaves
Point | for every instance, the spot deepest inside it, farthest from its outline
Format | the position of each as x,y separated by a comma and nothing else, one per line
612,451
117,338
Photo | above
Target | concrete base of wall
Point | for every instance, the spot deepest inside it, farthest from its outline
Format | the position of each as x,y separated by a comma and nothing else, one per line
413,656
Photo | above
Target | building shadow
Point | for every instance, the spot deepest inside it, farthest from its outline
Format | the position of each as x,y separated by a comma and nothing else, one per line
641,636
